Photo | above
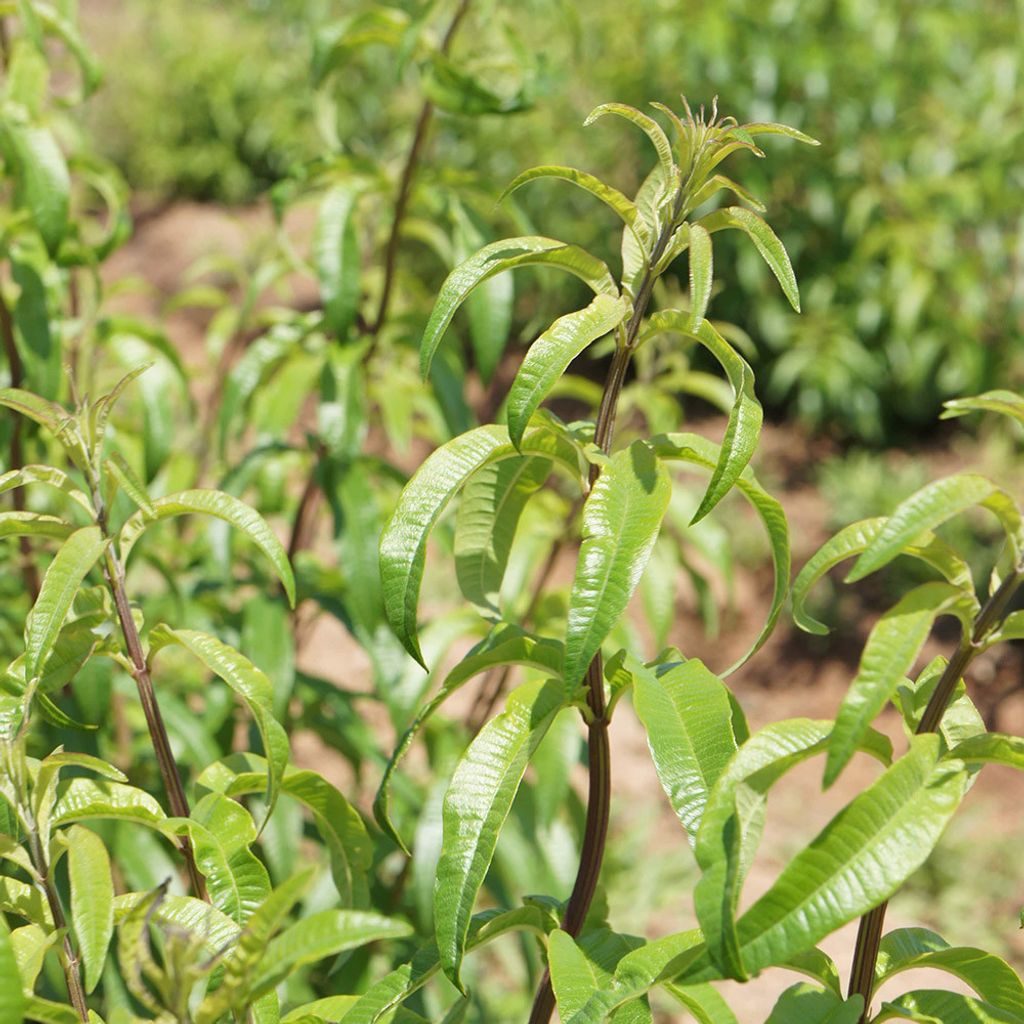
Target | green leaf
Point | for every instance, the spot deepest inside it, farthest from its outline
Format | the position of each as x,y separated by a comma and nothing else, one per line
489,511
221,506
403,542
69,567
646,124
500,256
42,183
992,978
611,197
854,539
212,929
337,821
222,831
859,860
321,935
892,648
580,969
394,988
621,519
701,274
931,506
638,972
991,748
1005,402
45,475
701,452
931,1006
88,799
703,1002
248,682
687,712
767,243
734,818
478,801
550,355
451,89
12,999
504,645
336,258
92,900
745,417
129,482
40,410
808,1004
34,524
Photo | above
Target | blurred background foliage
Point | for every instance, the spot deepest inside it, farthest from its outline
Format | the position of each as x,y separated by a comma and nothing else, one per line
905,226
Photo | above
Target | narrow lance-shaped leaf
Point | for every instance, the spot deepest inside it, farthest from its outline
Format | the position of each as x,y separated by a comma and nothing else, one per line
933,1006
479,799
550,355
70,565
1001,401
485,526
991,977
221,506
621,520
703,1002
248,682
34,524
42,183
506,645
931,506
92,900
688,715
646,124
767,243
505,255
889,654
859,860
336,258
12,999
86,799
701,274
745,417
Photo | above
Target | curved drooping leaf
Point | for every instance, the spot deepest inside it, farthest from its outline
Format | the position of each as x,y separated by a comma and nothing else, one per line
701,274
42,182
69,567
859,860
222,831
394,988
505,255
704,1003
212,928
88,799
991,748
550,355
321,935
892,648
34,524
774,128
809,1004
638,972
767,243
688,715
478,801
715,184
403,542
991,977
646,124
621,520
92,900
222,506
485,526
854,539
931,506
129,482
608,195
248,682
336,258
699,451
934,1006
744,427
12,998
504,645
734,818
337,821
999,400
49,475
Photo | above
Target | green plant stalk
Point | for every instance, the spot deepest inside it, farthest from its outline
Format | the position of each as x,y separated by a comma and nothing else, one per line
595,833
869,934
69,961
